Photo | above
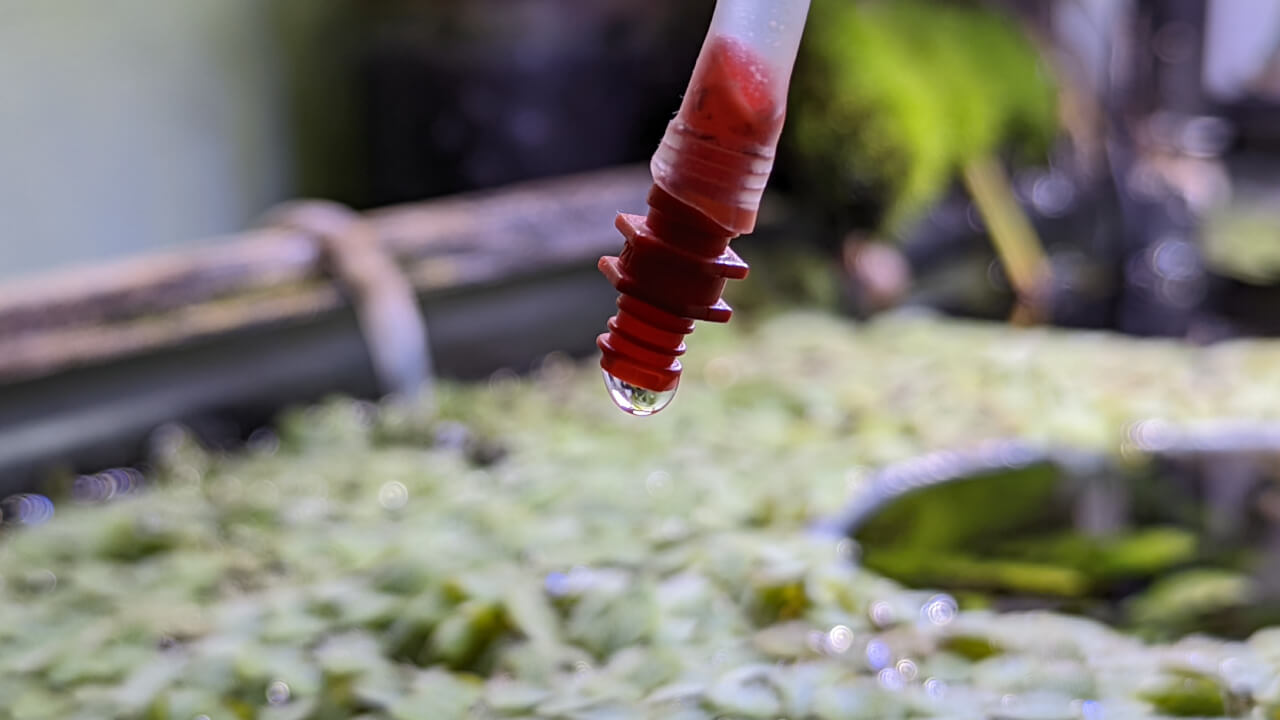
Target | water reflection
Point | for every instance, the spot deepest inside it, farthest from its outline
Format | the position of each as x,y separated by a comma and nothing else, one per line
278,693
263,441
106,485
881,613
27,509
846,550
940,609
658,483
878,655
393,495
840,639
890,679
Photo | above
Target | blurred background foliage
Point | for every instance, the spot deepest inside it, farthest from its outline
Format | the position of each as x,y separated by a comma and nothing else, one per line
892,99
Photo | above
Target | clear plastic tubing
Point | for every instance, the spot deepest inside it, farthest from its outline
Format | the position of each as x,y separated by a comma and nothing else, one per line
709,174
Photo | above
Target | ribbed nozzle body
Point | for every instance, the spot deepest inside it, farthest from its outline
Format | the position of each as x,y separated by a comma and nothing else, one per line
709,175
670,273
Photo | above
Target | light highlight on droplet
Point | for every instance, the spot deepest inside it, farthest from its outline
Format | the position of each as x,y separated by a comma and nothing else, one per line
278,693
891,680
634,400
878,654
940,609
393,495
840,639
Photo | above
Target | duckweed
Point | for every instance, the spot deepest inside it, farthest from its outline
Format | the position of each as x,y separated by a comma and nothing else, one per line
606,566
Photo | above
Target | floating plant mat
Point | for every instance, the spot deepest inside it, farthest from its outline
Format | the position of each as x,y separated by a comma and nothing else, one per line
534,553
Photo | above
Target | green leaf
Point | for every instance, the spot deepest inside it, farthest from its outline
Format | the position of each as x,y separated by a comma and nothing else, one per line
437,694
511,697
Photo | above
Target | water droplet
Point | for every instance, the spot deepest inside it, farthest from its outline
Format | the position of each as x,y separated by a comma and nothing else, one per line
907,669
878,654
815,640
940,609
1091,710
881,613
840,639
91,489
1052,195
452,436
658,482
890,679
126,480
42,581
277,693
556,584
29,508
503,380
846,550
393,495
935,688
263,441
1230,667
634,400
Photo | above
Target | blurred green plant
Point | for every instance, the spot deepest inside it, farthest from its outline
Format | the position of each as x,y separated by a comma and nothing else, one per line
891,99
1242,241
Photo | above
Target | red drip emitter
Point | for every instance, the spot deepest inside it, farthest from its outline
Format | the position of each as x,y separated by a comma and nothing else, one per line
670,273
709,173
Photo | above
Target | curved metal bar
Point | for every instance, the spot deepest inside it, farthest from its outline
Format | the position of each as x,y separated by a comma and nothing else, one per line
386,307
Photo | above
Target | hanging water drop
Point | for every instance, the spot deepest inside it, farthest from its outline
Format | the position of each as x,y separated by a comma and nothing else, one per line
635,400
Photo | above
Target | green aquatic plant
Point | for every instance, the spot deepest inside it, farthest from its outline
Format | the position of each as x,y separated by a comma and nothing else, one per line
530,552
